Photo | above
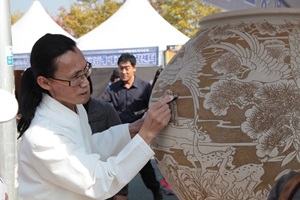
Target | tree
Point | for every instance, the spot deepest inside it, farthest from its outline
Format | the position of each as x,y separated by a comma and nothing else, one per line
86,15
184,15
276,131
15,17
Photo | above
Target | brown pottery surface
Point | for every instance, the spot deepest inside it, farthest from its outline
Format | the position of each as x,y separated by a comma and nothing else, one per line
235,126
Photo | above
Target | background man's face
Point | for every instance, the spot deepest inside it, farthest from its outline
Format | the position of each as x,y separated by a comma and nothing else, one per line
126,71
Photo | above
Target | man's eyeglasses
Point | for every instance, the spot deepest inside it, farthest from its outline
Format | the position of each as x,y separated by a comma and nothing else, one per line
77,80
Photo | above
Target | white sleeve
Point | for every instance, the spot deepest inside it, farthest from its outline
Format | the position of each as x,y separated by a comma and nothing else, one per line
110,142
66,164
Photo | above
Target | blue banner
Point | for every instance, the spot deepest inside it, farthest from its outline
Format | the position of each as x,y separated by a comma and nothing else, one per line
145,57
21,61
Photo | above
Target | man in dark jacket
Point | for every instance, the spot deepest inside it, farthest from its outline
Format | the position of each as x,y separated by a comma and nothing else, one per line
130,96
102,116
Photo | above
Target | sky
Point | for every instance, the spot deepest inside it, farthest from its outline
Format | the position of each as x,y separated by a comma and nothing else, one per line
52,7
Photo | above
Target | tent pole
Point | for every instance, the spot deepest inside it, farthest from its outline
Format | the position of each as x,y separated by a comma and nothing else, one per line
8,133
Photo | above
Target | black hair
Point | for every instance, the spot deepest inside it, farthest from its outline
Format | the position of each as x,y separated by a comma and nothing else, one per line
114,75
43,61
127,57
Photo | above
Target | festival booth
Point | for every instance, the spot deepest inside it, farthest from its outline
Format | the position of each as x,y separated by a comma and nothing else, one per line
135,28
35,23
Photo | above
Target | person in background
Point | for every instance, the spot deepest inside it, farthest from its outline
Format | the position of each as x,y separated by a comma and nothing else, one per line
115,76
59,157
130,96
102,116
164,185
9,109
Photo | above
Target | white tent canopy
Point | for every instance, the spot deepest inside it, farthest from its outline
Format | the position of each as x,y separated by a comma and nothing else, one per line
136,24
35,23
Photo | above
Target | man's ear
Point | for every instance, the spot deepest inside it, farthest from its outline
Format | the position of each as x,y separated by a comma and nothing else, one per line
43,82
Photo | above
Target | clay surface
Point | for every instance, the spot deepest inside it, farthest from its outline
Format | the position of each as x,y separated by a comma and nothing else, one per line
236,123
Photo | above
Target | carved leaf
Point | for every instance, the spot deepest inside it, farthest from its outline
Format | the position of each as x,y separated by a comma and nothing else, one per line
288,158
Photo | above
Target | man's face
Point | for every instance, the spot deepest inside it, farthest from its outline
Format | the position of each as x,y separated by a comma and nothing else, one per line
126,71
71,66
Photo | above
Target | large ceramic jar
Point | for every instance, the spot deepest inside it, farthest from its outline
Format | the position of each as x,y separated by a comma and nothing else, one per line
235,127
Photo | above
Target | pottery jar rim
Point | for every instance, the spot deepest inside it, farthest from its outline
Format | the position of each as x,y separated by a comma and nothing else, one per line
248,13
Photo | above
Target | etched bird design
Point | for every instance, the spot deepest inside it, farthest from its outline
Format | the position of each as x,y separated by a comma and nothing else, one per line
262,66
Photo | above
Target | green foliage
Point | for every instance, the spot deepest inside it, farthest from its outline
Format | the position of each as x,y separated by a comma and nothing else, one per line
15,17
184,15
86,15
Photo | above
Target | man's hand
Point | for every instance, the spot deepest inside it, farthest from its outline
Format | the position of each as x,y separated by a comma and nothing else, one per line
156,118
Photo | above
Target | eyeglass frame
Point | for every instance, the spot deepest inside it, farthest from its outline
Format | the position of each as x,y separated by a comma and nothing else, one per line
88,66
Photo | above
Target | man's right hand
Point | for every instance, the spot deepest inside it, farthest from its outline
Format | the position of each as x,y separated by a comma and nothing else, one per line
156,118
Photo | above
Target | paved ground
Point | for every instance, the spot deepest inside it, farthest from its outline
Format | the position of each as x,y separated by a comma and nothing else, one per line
138,191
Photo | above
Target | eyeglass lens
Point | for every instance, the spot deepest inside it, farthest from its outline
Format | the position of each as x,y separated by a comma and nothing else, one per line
78,80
